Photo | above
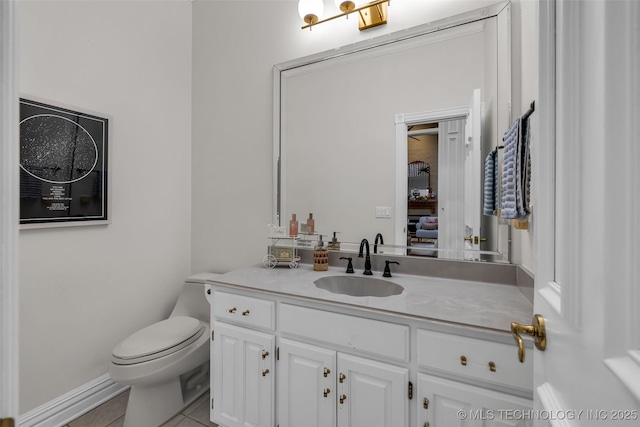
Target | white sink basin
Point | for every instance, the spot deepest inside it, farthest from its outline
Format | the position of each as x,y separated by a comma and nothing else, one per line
359,286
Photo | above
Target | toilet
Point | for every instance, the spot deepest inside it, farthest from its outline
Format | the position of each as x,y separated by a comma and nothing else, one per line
167,363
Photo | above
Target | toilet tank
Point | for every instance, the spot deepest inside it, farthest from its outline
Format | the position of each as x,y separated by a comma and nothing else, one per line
192,300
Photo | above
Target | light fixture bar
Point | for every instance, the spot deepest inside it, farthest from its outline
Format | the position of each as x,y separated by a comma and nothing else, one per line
380,11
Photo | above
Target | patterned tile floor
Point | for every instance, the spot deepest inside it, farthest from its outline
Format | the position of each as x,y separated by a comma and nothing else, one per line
111,414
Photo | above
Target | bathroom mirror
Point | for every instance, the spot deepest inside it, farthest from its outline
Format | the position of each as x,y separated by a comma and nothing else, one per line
335,126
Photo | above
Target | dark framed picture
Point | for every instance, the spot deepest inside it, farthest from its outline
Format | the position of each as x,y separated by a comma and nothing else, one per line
63,165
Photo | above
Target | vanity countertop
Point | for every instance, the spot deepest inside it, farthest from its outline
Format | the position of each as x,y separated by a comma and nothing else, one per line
478,304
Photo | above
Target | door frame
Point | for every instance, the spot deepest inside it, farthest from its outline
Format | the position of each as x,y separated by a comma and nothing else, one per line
403,121
9,218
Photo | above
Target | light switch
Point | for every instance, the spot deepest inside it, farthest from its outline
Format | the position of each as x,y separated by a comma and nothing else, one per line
383,212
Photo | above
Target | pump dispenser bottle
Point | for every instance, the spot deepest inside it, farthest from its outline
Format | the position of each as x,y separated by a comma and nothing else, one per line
334,244
320,257
293,226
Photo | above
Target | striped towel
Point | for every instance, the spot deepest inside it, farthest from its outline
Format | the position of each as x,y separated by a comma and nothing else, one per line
516,171
509,179
490,183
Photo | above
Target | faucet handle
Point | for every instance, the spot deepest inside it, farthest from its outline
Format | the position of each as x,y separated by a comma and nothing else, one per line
387,270
350,265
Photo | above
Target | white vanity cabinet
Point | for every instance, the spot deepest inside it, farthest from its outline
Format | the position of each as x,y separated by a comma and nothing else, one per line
281,360
243,362
319,387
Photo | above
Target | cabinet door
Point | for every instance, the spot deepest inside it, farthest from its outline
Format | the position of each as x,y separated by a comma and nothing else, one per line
306,385
446,403
242,384
371,394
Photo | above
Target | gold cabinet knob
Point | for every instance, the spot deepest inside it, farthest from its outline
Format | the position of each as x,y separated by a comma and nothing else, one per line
326,373
343,397
463,360
232,310
245,313
537,331
341,378
265,353
326,392
265,372
492,366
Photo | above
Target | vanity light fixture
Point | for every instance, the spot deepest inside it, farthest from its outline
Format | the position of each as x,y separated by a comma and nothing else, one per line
369,14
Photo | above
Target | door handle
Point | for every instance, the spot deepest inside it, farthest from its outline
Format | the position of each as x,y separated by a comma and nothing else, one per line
537,331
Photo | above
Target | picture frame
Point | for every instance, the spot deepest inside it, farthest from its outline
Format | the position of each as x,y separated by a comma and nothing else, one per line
64,165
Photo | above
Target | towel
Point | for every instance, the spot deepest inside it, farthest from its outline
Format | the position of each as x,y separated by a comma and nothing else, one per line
516,171
508,195
490,183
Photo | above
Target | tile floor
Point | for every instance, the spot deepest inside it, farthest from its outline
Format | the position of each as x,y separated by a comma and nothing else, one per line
111,414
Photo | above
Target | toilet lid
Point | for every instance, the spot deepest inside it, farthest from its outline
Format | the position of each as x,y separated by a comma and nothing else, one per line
159,339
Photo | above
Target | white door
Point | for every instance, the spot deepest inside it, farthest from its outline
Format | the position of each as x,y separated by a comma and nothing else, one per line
9,216
243,385
447,403
306,385
472,173
586,155
371,394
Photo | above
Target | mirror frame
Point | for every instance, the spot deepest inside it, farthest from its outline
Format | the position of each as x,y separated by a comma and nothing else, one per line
385,40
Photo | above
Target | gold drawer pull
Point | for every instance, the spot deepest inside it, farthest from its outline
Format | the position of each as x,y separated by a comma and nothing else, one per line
245,313
343,397
265,353
326,392
492,366
232,310
326,373
341,378
265,372
463,360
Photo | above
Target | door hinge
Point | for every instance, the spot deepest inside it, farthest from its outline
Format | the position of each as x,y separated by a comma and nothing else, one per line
7,422
277,353
410,390
212,403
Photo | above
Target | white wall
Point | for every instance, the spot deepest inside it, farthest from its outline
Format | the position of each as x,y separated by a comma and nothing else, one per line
235,45
83,289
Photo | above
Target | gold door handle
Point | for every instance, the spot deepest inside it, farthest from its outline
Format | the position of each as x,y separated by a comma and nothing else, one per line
469,239
537,331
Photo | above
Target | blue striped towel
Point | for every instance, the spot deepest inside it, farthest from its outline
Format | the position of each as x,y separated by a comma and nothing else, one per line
490,183
509,180
516,171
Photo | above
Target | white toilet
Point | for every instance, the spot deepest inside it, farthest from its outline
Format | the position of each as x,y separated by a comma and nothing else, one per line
166,364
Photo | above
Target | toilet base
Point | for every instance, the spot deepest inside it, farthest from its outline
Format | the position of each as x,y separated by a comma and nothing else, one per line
152,406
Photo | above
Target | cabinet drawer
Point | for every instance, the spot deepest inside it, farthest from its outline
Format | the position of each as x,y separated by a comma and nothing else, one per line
474,358
372,336
244,310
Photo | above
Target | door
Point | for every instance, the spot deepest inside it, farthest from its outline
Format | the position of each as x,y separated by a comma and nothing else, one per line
586,166
472,173
447,403
243,385
371,394
306,385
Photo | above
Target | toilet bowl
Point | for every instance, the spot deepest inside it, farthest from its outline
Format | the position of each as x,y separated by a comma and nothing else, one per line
167,363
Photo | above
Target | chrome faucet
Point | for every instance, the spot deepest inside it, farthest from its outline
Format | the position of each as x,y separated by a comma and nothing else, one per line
375,244
367,260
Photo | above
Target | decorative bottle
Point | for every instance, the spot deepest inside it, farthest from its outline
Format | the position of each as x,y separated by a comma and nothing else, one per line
293,226
310,224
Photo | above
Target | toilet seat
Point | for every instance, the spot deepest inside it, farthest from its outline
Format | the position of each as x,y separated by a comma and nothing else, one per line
158,340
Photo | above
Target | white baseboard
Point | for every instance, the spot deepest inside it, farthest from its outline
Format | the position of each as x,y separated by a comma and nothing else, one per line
71,405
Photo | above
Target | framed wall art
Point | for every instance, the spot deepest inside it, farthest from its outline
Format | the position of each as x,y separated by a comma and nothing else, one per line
63,165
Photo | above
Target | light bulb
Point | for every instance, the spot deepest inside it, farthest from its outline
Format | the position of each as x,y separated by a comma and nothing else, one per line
310,10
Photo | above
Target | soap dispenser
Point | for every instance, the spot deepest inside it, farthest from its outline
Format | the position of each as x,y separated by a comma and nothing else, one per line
320,256
293,226
334,245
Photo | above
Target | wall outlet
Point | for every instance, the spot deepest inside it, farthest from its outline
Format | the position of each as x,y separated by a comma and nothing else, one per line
383,212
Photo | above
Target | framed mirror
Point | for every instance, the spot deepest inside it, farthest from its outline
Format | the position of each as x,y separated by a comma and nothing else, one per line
339,146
